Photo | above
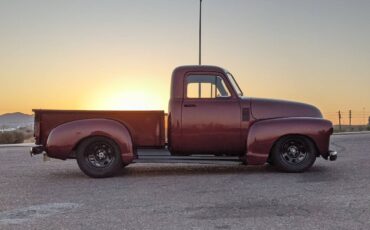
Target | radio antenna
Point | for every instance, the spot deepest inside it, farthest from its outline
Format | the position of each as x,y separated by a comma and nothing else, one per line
200,32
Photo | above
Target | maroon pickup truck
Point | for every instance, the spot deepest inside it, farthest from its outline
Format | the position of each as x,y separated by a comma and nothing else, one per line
209,121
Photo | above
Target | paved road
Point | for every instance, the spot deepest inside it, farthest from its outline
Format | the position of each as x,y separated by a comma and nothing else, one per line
56,195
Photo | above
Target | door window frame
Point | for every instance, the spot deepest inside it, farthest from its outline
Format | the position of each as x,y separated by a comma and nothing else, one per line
221,75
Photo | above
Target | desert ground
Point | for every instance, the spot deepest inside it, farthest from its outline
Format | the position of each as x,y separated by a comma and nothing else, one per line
57,195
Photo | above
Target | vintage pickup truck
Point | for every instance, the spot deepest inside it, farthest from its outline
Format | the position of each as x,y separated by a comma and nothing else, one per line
209,120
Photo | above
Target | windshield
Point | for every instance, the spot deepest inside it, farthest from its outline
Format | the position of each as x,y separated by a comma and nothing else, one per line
234,84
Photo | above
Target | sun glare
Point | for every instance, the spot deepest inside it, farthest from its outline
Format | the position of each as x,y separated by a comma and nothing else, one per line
130,100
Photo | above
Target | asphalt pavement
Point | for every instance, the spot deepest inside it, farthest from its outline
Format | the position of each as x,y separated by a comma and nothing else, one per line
57,195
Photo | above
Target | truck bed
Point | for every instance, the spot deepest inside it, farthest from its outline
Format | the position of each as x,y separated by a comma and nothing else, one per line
146,127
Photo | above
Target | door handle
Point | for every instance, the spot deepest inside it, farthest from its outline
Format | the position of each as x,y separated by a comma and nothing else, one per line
190,105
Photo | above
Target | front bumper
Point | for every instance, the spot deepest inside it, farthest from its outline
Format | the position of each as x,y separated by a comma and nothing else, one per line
332,155
37,150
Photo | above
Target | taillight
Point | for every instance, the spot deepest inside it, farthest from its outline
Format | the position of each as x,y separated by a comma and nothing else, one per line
36,128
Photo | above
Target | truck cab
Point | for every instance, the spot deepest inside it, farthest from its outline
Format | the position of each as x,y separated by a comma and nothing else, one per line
206,113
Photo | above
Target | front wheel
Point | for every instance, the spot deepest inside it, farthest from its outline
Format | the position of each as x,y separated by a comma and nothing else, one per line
99,157
293,154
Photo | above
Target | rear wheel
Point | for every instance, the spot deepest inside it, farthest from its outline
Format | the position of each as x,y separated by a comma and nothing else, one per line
99,157
293,154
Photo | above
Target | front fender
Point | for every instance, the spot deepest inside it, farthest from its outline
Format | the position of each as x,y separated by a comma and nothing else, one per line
64,138
263,134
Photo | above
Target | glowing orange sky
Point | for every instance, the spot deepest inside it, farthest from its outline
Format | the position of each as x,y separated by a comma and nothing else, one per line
120,54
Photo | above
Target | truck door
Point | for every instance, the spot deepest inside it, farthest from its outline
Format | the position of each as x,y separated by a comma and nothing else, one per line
211,116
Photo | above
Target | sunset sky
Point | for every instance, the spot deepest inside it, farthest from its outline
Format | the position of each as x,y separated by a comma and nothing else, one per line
119,54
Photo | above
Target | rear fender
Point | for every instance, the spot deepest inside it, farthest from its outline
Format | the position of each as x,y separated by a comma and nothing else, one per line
64,138
263,134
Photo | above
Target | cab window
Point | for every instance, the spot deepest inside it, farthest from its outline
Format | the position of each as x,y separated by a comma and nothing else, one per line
206,86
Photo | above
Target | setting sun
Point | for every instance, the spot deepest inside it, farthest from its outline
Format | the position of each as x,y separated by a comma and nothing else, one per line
128,100
137,90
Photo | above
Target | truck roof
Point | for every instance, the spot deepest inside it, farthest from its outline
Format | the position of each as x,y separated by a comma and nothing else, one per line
210,68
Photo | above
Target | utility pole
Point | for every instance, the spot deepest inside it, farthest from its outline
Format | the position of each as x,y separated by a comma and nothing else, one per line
363,114
200,32
340,120
350,118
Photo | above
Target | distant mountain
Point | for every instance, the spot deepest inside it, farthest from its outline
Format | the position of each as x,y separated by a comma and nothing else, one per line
15,120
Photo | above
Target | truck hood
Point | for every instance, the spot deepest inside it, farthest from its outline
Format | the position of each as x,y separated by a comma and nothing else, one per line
270,108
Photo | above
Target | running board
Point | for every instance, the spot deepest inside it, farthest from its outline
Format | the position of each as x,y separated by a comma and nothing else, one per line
187,161
163,156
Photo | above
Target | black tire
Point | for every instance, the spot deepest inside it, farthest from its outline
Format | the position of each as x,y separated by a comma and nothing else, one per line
99,157
293,154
